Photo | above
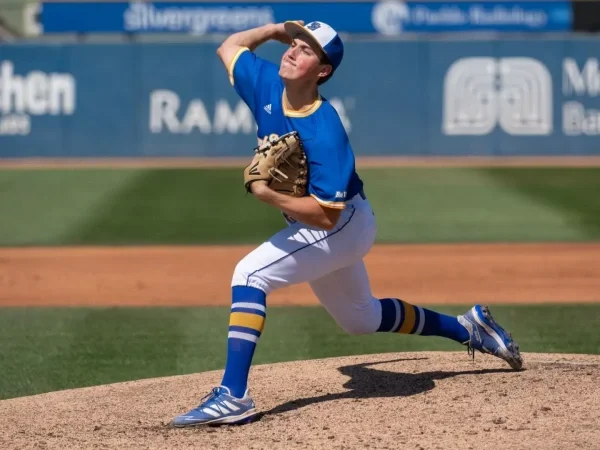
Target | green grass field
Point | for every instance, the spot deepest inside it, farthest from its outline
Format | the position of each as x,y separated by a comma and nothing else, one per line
49,349
183,206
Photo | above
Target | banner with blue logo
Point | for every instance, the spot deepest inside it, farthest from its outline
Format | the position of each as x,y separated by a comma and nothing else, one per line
388,17
482,98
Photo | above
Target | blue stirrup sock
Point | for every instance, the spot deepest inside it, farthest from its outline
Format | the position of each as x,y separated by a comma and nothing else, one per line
398,316
246,323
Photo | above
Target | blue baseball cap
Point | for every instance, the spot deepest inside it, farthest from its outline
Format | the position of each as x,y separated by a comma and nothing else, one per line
321,34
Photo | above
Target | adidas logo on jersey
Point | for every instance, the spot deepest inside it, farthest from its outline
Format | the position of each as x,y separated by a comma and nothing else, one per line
267,108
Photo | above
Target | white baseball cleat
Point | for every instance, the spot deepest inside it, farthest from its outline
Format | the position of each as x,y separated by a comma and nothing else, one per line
489,337
218,408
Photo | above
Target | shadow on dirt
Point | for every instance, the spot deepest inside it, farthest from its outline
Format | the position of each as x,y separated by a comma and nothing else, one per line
366,382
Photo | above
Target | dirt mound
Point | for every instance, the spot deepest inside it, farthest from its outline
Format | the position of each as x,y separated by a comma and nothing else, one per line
403,400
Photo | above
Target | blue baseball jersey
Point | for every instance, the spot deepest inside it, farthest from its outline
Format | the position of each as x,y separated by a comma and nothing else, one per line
332,176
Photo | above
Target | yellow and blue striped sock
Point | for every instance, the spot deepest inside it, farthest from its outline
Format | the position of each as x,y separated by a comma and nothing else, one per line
246,323
398,316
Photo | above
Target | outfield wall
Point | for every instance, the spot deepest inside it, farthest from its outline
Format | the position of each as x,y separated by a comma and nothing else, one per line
423,97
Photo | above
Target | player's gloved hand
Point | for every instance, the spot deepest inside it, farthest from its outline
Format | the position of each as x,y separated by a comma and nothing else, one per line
281,163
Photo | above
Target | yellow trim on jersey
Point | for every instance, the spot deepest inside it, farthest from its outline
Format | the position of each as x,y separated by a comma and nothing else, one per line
233,61
303,112
248,320
334,205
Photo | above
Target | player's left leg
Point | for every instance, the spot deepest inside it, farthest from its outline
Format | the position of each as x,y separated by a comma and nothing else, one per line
346,294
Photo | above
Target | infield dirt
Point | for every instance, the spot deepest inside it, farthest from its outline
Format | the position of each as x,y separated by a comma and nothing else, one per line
174,276
390,401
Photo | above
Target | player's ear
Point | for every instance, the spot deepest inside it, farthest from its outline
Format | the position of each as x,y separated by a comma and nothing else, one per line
325,70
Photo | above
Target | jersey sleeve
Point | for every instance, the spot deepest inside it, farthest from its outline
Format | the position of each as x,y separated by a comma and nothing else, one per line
330,170
245,71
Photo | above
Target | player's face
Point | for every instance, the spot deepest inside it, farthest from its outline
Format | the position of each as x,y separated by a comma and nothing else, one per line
302,62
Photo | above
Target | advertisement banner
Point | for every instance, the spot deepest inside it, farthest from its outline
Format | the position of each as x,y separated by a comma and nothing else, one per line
387,17
481,98
516,98
393,17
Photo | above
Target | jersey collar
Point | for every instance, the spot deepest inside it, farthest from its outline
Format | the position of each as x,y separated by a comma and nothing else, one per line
305,112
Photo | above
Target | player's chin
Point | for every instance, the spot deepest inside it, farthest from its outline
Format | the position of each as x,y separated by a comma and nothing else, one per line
286,73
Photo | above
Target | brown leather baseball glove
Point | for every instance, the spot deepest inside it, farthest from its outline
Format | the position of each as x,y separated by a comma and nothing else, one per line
281,162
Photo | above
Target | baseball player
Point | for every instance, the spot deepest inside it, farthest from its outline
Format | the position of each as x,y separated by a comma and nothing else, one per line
329,230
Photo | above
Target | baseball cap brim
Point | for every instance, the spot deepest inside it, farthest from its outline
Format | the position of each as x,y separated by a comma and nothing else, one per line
293,29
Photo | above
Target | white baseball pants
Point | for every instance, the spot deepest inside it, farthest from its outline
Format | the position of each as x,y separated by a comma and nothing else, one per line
330,261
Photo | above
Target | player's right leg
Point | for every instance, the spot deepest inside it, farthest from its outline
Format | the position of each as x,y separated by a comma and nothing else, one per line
346,294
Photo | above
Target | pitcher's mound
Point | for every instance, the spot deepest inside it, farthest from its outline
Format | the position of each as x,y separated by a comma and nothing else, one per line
433,400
